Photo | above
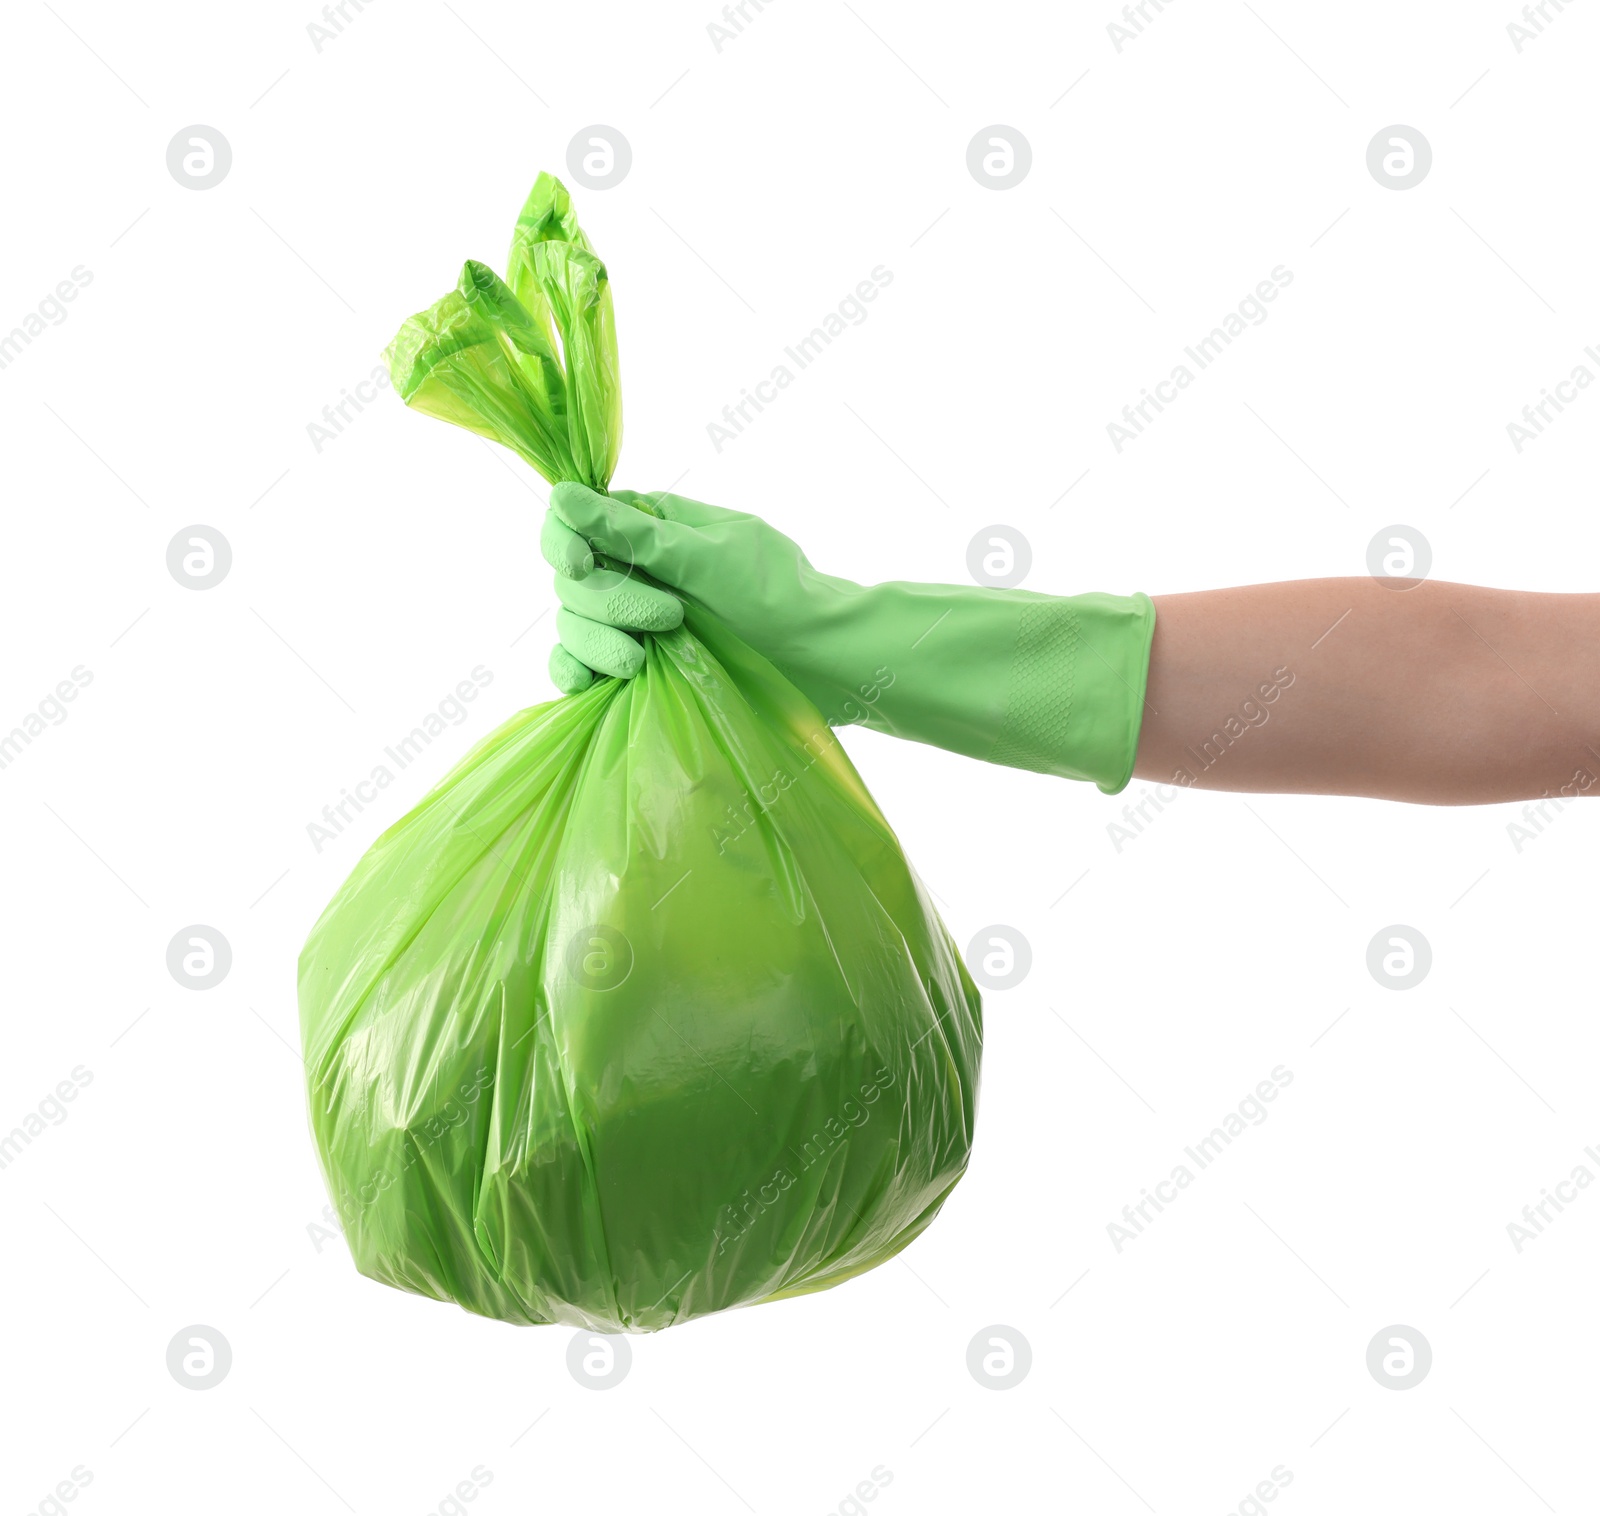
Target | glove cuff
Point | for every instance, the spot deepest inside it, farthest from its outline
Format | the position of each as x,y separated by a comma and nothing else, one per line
1075,702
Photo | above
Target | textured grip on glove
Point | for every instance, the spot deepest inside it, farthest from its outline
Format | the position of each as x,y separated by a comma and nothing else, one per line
1075,701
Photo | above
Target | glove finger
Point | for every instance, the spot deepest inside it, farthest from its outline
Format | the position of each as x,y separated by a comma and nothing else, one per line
603,648
563,549
617,600
666,506
567,674
623,532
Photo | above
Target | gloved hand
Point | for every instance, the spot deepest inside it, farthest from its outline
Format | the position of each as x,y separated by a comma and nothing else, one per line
1042,682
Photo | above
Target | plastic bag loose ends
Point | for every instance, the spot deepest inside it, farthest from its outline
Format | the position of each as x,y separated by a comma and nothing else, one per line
641,1014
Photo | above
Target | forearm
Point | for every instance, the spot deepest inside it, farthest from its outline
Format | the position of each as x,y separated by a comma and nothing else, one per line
1443,694
1440,693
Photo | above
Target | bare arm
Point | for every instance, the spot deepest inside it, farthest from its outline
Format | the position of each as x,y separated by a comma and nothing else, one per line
1442,694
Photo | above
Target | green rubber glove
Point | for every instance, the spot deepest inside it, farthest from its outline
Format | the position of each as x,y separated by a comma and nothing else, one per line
1042,682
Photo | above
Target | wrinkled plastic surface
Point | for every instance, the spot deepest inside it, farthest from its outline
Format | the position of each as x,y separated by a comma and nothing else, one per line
641,1014
531,364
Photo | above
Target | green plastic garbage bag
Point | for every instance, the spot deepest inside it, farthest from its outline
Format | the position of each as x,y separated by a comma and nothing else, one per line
641,1014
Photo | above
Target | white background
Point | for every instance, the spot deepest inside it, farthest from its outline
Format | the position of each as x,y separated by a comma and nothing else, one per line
371,576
